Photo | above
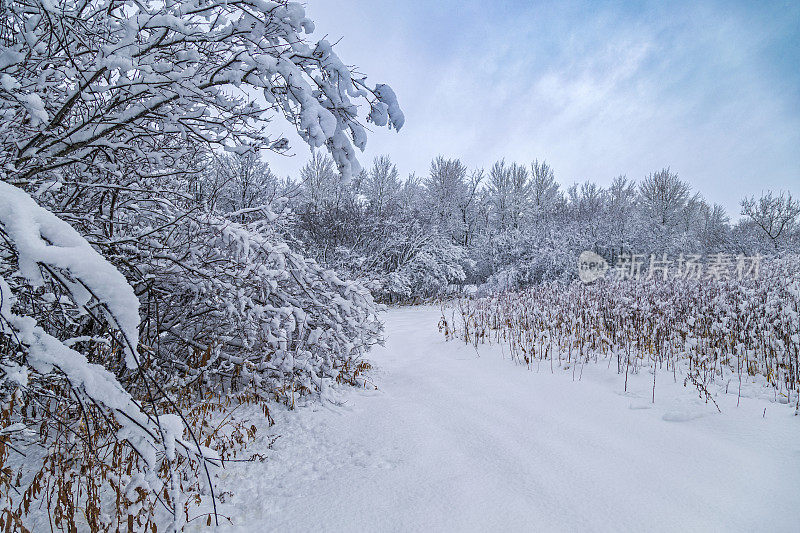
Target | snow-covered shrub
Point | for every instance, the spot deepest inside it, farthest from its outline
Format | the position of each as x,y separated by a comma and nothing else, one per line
269,320
539,266
69,358
426,274
376,237
110,110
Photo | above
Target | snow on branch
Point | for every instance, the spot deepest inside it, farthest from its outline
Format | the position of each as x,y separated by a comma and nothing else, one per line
189,69
41,239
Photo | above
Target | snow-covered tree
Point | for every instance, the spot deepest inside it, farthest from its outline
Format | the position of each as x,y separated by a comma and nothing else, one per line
239,183
621,216
666,203
586,209
544,193
713,228
774,215
508,193
381,184
320,184
451,195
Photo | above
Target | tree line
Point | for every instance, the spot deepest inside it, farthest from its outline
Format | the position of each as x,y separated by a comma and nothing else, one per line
506,228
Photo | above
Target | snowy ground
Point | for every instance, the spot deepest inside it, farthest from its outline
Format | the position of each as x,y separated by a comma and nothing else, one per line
456,442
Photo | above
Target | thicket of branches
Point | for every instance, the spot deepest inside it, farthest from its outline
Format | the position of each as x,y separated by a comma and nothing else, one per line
133,304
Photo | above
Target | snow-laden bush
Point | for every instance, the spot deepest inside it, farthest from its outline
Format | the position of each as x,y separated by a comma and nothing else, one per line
376,238
433,266
267,319
110,110
533,263
69,358
227,309
405,264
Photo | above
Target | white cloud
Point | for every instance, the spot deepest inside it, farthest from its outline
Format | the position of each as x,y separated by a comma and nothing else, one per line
595,93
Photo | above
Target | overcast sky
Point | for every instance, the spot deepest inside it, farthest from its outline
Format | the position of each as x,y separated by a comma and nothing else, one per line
598,89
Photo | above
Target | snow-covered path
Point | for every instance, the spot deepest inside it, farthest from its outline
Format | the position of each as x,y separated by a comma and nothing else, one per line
456,442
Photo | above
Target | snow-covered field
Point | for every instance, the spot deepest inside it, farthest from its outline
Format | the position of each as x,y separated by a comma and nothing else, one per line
458,441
